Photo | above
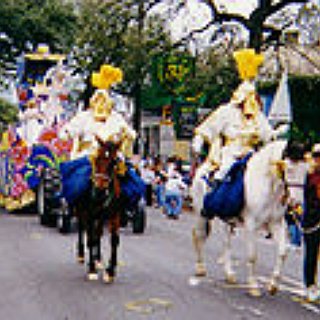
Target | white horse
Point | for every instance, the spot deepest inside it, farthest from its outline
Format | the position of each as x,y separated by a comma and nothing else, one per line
265,194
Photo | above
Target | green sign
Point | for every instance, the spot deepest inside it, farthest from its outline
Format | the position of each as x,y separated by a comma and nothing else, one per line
172,71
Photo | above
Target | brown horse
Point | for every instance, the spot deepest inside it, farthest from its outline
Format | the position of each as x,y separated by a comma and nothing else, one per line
100,204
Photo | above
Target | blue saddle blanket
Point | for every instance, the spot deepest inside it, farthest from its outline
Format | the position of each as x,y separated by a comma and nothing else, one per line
76,178
226,199
133,187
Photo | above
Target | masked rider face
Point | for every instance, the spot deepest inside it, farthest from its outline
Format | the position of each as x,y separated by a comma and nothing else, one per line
101,104
251,106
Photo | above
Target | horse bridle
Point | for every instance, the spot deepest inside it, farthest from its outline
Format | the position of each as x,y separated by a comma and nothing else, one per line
103,178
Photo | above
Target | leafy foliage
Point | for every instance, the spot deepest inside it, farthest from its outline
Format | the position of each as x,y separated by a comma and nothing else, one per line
25,23
216,77
115,32
8,113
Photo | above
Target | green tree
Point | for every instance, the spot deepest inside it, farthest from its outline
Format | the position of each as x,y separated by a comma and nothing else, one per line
109,33
25,23
8,114
216,76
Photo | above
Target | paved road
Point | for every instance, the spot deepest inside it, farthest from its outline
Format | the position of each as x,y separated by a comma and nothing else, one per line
40,280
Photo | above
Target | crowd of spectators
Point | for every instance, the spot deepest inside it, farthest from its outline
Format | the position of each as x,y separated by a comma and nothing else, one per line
167,183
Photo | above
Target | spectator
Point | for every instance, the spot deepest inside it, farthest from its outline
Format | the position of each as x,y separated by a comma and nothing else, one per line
296,171
311,227
147,175
160,179
174,189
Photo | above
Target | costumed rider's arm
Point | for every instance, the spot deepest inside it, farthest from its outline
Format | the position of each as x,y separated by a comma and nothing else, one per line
208,130
128,137
72,130
268,133
281,130
265,129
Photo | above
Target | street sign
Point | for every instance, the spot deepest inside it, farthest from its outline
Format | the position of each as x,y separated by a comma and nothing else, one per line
186,118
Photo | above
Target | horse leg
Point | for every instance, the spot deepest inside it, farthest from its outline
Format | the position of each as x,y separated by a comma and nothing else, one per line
110,271
254,289
99,232
80,248
230,275
92,273
202,229
199,235
280,234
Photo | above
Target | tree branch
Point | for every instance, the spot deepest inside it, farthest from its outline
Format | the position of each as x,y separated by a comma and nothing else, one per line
219,16
191,34
270,10
149,5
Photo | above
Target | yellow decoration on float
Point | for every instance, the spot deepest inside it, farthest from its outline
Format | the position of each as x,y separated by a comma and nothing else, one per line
43,49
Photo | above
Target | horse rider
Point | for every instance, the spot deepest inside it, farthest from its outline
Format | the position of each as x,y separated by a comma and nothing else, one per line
238,127
100,120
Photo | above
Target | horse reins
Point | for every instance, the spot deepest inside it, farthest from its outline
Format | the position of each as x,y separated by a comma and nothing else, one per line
305,230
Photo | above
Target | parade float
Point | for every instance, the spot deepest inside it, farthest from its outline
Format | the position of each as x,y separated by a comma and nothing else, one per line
30,149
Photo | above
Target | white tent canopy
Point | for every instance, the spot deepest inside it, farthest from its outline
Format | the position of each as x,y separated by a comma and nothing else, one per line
280,110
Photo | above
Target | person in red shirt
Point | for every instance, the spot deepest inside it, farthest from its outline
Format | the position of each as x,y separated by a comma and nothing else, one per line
311,227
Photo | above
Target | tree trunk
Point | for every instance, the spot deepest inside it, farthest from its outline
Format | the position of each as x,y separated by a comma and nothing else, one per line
256,38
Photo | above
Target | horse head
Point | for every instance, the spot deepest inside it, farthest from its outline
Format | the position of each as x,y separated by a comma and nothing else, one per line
104,162
280,168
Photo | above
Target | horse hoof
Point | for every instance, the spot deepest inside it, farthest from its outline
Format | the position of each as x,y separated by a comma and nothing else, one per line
107,278
231,278
92,276
99,265
200,270
221,260
80,259
255,292
273,289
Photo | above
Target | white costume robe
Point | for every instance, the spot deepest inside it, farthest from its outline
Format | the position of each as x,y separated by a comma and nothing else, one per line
230,136
83,128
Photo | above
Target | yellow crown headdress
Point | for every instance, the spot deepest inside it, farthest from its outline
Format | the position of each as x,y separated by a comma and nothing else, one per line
103,80
248,62
106,77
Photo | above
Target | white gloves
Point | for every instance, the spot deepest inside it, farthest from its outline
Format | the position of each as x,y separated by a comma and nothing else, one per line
281,130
